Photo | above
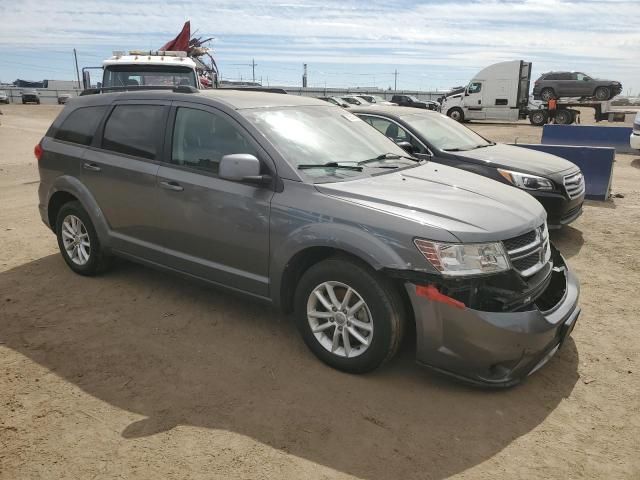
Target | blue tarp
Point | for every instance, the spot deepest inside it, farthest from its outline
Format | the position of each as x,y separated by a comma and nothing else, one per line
596,164
588,135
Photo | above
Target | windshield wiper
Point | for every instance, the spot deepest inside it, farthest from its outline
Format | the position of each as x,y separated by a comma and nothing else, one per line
484,146
307,166
456,149
387,156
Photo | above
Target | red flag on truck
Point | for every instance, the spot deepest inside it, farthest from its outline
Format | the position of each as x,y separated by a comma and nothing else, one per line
181,42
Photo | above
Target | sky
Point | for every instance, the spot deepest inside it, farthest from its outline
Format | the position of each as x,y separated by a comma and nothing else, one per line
346,43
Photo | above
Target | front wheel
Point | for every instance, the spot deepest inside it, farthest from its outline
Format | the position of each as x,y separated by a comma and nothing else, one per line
602,93
78,240
349,316
456,114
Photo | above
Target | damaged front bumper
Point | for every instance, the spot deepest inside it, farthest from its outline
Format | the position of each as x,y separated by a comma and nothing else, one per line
497,348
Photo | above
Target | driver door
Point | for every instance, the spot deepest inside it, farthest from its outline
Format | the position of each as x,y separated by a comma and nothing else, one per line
473,101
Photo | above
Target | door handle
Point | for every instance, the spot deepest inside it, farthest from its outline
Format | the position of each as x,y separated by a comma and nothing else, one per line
91,166
169,185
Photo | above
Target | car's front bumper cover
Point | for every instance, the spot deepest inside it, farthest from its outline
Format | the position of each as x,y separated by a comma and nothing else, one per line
494,348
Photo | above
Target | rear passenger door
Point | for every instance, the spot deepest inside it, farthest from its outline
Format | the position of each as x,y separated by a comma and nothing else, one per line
214,228
120,171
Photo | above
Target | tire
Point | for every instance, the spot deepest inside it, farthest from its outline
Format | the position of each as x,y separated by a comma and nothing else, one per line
66,227
602,93
538,117
547,94
380,320
456,114
564,117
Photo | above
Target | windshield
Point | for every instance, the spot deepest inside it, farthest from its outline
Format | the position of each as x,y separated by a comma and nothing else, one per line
154,75
443,133
317,135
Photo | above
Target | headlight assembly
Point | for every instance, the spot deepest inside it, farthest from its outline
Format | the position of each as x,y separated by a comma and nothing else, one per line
526,181
464,259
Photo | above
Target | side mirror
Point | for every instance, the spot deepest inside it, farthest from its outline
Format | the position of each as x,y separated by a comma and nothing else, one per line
406,146
242,167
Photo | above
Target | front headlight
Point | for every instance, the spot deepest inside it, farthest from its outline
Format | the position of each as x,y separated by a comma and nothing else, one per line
464,259
526,181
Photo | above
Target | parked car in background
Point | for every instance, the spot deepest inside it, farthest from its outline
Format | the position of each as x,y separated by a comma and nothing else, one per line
336,101
411,101
634,141
30,96
574,84
302,205
63,97
555,182
4,98
353,100
377,99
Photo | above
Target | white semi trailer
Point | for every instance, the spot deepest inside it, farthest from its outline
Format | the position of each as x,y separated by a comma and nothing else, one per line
500,92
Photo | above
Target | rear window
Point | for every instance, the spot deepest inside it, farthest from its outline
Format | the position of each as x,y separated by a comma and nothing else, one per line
134,130
80,126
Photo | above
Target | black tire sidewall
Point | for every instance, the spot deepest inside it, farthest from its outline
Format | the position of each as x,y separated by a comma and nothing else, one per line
386,313
538,124
548,89
459,112
563,113
92,266
600,89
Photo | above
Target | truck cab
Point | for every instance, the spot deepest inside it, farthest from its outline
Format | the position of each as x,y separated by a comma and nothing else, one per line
145,68
498,92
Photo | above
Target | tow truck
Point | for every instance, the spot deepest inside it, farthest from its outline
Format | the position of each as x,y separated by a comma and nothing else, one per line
501,92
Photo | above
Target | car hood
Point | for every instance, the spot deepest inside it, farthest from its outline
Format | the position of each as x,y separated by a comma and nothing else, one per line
517,158
470,207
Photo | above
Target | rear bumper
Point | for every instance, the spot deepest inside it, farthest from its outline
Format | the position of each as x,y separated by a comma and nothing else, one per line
497,349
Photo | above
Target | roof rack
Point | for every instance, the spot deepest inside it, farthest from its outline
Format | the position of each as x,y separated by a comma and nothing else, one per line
129,88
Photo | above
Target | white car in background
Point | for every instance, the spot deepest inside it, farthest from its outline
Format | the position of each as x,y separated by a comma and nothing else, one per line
635,134
377,99
4,98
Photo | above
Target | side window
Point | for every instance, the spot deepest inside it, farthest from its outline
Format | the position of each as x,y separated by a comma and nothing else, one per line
134,130
201,139
474,87
80,126
566,76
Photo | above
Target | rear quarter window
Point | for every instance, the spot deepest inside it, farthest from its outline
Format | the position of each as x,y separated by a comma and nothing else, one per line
80,126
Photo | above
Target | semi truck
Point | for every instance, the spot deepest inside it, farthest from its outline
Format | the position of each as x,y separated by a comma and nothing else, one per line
500,92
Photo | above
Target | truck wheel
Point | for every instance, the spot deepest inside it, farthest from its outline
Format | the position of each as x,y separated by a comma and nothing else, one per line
602,93
547,94
350,317
538,117
457,114
564,117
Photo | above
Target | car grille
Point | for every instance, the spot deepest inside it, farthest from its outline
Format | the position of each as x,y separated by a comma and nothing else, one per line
574,184
529,252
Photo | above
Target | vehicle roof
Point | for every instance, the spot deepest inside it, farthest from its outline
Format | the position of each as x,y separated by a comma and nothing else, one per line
236,99
149,60
393,111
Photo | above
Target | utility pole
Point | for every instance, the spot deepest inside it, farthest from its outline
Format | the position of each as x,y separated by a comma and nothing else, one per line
304,76
253,69
395,80
75,55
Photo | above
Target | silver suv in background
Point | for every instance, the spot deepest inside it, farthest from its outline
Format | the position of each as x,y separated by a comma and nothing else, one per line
304,206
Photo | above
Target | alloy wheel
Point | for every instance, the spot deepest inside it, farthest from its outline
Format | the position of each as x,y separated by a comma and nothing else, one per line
75,238
340,319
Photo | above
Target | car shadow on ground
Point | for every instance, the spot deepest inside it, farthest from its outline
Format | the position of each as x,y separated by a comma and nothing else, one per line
179,353
568,240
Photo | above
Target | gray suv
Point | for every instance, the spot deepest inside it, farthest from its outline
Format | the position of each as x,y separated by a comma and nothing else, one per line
574,84
304,206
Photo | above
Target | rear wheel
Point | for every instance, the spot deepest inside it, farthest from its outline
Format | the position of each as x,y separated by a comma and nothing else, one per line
602,93
538,117
78,241
349,316
563,117
456,113
547,94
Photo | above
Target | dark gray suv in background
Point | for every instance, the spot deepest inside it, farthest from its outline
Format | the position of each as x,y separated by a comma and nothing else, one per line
304,206
574,84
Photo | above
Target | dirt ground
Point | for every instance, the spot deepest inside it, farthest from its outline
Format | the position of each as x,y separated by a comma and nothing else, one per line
140,375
